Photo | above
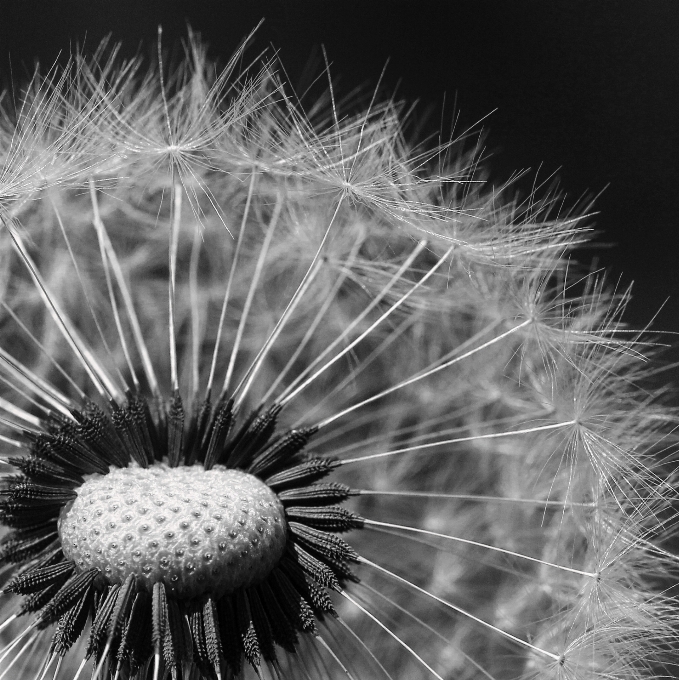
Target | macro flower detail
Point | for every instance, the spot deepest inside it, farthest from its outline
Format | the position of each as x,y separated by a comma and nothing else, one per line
199,530
131,514
283,396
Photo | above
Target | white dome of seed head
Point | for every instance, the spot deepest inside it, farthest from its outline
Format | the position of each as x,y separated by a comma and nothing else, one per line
199,531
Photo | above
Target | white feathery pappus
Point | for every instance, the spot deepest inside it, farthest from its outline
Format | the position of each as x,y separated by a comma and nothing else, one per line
283,397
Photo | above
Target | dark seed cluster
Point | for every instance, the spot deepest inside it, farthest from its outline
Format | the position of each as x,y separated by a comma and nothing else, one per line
134,627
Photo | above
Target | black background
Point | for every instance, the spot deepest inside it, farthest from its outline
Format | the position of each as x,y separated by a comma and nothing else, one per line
587,91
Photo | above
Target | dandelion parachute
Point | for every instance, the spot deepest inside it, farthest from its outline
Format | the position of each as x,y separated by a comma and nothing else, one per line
283,396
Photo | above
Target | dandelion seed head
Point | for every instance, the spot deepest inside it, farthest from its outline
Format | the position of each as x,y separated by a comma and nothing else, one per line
430,412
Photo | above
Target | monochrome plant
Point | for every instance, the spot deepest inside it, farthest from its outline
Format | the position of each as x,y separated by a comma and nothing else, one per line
283,396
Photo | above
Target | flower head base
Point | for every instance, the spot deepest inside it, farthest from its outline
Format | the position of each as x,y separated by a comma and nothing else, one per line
124,509
198,531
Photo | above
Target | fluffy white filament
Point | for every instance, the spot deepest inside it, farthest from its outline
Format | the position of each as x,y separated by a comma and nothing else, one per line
476,385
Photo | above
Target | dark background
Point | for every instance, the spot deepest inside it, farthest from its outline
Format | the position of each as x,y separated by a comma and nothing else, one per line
587,91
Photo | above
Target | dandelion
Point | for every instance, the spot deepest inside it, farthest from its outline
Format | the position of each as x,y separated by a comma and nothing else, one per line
285,397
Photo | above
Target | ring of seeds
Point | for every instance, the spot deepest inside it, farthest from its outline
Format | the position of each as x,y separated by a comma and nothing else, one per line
140,517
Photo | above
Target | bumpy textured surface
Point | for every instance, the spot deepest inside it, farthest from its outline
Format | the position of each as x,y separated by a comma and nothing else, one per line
198,531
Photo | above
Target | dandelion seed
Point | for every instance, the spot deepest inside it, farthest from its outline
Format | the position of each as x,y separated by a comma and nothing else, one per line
280,402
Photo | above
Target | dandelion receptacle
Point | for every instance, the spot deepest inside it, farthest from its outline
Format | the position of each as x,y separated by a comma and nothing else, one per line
283,396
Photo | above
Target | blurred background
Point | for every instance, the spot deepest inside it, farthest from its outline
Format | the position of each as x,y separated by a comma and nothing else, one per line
582,92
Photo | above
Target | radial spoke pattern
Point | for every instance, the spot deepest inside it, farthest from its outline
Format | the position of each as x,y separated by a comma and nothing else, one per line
356,416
